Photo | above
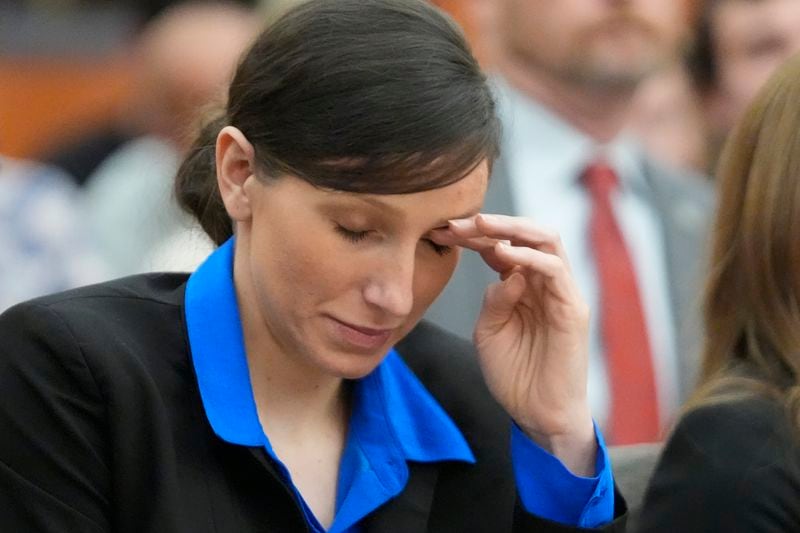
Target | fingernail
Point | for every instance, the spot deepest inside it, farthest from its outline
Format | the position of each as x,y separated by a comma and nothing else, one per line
459,223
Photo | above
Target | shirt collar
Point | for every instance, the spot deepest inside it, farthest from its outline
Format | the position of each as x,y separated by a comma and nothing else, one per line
537,138
217,349
392,410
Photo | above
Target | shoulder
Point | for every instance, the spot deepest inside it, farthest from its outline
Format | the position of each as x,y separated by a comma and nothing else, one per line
677,183
116,296
734,462
154,289
115,344
94,318
448,367
736,436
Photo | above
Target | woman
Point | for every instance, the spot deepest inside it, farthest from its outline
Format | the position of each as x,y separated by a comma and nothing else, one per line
733,462
286,385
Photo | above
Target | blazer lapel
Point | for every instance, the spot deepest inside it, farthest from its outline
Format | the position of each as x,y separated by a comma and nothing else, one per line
410,510
294,511
684,218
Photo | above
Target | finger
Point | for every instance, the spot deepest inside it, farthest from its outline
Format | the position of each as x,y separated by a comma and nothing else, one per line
499,263
520,231
483,245
501,227
499,303
445,237
548,265
507,273
465,227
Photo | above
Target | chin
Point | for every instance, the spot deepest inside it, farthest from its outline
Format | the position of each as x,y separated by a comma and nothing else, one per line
353,366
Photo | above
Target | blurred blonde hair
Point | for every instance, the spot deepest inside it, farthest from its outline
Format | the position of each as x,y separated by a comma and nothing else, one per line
752,313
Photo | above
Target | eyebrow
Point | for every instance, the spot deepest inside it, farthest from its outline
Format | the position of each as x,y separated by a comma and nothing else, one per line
398,213
383,206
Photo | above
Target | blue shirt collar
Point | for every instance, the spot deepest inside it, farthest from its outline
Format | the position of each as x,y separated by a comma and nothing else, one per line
394,420
216,343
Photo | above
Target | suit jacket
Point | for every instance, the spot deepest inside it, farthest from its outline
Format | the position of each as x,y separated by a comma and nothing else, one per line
683,202
103,429
732,467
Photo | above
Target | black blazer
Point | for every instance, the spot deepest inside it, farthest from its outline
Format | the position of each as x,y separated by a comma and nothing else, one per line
102,429
732,467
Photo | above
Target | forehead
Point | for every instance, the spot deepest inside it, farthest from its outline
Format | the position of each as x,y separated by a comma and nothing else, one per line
738,19
435,206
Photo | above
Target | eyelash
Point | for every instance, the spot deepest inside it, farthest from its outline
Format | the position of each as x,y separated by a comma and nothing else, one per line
350,235
358,236
439,248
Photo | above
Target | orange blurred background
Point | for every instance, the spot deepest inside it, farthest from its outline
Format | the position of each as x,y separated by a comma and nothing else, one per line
45,100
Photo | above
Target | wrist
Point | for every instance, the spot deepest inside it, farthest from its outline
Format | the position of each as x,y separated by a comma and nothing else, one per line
576,446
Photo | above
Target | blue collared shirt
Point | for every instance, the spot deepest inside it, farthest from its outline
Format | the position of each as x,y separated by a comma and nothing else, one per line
394,420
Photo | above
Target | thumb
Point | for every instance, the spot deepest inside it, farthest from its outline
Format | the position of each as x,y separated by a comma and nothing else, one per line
499,302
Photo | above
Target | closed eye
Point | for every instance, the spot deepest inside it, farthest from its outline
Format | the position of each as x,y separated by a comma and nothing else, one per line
356,236
439,248
352,235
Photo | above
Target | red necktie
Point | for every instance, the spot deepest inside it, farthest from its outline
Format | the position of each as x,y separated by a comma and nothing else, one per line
634,405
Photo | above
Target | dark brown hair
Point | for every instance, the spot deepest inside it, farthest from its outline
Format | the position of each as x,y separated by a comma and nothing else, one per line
702,57
701,61
377,96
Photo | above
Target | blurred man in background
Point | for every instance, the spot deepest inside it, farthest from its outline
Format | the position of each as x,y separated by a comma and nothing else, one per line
567,73
667,117
739,44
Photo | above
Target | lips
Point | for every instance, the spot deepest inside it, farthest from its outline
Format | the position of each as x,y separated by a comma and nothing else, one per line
360,336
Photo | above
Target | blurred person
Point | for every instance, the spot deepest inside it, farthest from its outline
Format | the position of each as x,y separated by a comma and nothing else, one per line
46,245
286,384
80,158
58,27
186,57
739,44
733,461
145,10
668,120
567,74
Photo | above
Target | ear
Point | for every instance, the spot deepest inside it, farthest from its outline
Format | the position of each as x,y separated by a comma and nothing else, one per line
235,158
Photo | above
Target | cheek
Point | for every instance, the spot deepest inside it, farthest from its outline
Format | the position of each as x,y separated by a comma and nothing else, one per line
665,17
298,272
743,81
536,29
432,274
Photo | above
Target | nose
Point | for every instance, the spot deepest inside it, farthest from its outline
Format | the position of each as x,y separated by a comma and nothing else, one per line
390,288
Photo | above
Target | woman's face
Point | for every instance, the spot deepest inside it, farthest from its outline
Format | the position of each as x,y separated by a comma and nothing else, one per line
337,278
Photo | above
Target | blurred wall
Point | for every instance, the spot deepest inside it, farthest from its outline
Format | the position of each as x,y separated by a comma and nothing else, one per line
62,73
44,100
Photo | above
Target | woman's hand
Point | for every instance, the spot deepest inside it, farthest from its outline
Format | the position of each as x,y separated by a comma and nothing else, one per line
532,333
